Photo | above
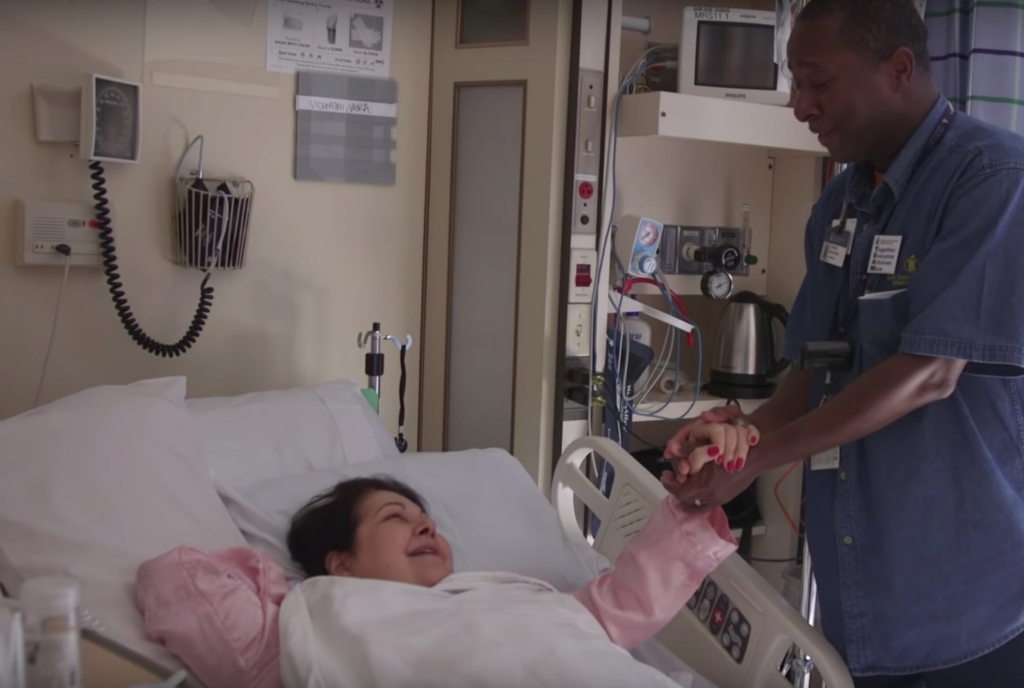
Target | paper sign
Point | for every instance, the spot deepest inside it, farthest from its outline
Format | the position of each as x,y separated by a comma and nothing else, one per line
340,36
885,254
346,107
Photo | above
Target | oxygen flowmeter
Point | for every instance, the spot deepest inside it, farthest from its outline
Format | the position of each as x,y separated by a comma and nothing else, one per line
718,254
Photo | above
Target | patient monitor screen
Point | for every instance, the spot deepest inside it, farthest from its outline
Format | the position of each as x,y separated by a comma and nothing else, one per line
735,55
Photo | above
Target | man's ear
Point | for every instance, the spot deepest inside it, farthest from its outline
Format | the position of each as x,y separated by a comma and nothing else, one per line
902,68
337,564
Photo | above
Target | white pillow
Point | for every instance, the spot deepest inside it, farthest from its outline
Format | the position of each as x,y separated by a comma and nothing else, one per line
255,437
483,501
96,483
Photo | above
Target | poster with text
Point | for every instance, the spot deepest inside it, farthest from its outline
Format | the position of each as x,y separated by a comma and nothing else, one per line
339,36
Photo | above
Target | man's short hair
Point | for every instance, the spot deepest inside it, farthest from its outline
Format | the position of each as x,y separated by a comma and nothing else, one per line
876,28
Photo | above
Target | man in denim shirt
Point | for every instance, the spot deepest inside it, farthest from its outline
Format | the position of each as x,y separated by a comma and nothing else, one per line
914,257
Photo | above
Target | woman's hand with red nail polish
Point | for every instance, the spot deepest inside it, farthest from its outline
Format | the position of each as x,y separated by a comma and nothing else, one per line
735,437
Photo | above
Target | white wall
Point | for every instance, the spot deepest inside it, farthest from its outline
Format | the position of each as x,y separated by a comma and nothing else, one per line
324,260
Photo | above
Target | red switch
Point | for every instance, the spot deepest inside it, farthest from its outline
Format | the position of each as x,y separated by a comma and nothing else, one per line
586,190
583,278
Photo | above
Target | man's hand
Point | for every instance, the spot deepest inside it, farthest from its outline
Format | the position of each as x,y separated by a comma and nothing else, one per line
708,489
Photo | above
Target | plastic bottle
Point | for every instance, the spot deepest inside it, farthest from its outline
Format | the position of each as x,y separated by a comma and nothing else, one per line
52,645
637,329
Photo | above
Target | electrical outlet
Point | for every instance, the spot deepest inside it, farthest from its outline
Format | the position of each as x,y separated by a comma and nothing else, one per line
577,330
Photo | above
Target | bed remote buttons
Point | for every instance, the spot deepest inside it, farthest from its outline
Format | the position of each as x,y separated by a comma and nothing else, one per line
707,600
719,614
736,635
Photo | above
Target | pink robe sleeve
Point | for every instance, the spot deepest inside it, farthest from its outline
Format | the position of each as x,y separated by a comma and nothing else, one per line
217,612
656,574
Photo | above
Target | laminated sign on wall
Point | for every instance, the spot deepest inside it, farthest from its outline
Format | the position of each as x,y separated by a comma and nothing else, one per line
341,36
344,128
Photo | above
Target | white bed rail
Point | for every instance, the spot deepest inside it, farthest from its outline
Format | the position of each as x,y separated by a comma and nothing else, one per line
770,624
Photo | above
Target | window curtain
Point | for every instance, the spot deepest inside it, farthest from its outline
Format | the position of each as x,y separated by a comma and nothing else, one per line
977,56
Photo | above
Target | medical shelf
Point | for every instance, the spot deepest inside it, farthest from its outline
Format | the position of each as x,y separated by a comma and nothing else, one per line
682,401
683,116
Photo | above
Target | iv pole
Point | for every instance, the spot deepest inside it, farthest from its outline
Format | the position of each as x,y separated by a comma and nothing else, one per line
375,370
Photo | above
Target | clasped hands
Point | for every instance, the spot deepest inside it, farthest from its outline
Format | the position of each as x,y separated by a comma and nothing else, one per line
709,455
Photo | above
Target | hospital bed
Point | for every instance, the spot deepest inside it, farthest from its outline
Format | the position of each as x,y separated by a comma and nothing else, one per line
736,631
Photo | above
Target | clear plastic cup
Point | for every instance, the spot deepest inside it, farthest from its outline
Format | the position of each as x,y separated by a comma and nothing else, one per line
52,646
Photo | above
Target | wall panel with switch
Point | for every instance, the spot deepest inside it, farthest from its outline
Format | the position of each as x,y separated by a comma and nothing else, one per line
582,272
588,151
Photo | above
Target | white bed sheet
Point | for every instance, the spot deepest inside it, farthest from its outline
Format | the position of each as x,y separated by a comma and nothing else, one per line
490,630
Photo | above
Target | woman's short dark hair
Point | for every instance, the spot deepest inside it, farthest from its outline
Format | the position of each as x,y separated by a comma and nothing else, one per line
328,522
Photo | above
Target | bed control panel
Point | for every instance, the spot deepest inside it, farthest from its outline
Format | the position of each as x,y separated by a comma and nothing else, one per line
723,620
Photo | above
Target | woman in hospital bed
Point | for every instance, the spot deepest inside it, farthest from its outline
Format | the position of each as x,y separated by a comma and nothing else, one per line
383,607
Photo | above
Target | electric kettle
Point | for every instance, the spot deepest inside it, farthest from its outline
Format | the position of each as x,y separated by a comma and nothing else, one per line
744,358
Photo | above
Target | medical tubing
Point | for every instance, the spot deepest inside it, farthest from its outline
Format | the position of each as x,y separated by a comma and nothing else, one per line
634,72
610,171
65,251
117,294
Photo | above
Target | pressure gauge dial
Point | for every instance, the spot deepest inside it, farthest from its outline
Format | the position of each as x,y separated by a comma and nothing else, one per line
716,285
113,132
648,235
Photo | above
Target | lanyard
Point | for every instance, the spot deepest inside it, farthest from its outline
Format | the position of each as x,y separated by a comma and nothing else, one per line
938,133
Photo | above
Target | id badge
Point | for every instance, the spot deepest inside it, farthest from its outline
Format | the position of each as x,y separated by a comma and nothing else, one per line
827,460
838,242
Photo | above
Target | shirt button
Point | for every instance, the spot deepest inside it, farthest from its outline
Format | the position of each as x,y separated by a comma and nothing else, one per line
842,475
848,540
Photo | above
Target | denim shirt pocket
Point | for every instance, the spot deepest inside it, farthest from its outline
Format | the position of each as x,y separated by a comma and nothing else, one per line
881,322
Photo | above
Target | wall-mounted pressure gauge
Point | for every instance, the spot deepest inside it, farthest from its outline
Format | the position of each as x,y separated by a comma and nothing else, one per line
717,285
111,120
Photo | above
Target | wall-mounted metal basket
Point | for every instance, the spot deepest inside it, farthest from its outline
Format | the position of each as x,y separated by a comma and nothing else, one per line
211,222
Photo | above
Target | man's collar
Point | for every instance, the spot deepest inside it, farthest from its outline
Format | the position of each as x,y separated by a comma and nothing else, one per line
898,175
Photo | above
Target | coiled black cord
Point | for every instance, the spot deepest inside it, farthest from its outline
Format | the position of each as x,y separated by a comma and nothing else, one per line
124,312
